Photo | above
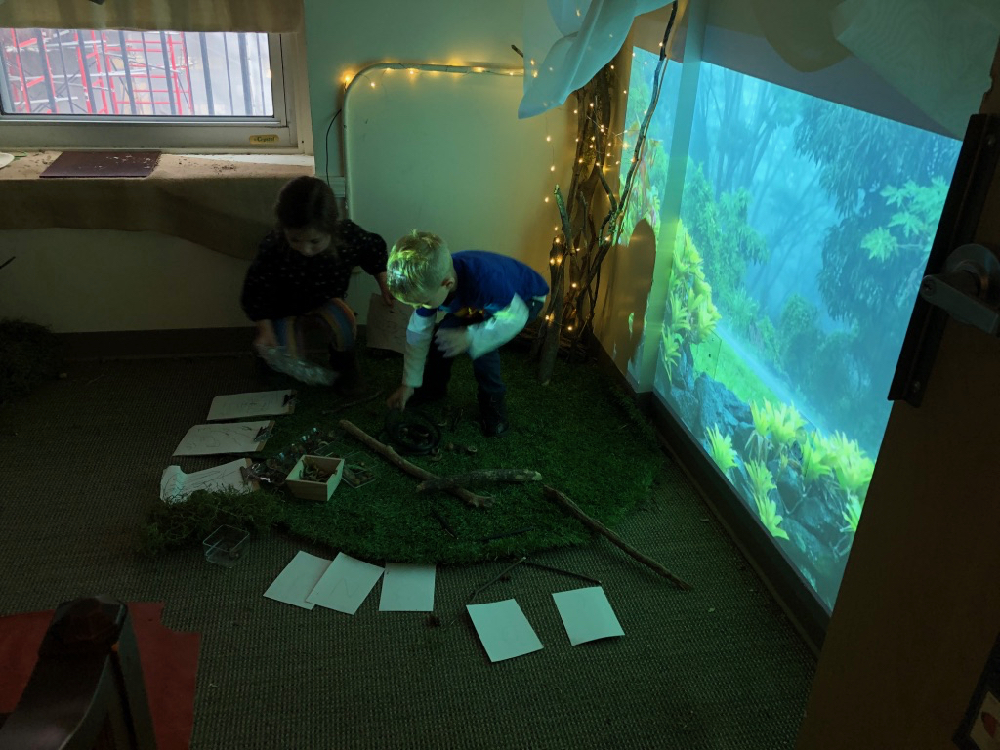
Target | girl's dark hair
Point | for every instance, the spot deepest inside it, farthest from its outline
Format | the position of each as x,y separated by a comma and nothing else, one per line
307,202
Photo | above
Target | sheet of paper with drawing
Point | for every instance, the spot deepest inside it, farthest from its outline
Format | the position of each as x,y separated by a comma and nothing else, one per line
175,485
235,437
243,405
297,580
386,327
345,584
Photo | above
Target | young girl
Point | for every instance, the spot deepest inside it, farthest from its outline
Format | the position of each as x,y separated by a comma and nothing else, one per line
301,273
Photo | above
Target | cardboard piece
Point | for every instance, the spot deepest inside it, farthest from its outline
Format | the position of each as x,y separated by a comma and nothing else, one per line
386,327
103,164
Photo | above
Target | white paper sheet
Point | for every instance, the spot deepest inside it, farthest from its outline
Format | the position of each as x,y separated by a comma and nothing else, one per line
503,630
587,615
345,584
385,327
408,588
243,405
175,485
297,580
211,439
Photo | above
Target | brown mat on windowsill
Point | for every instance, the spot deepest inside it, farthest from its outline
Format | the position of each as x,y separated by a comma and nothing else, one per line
169,666
103,164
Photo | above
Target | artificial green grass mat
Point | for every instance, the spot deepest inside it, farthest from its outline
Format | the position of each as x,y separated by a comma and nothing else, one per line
582,434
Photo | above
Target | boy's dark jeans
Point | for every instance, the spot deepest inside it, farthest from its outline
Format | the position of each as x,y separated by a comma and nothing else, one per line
437,369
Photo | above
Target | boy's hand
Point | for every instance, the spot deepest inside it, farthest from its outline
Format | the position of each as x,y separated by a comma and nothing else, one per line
399,397
453,341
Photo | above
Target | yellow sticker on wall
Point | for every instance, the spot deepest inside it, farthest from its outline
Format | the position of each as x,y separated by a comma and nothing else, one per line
263,140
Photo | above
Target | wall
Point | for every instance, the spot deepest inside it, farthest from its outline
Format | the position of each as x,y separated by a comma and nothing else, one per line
104,280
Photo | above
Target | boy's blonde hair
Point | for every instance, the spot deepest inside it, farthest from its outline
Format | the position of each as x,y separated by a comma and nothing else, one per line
418,263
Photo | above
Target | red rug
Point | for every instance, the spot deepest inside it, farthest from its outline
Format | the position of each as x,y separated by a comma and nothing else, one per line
169,665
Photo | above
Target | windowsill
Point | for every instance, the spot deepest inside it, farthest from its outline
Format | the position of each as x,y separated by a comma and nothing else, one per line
221,202
178,166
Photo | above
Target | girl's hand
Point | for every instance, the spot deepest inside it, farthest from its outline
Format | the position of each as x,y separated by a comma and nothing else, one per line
384,288
265,336
399,397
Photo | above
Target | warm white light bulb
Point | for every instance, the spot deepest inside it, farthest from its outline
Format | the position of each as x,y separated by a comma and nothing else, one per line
548,138
546,199
552,168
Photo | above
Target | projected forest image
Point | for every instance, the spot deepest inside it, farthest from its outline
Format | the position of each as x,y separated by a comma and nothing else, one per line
803,234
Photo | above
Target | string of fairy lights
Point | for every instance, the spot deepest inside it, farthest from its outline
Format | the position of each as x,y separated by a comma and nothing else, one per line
612,141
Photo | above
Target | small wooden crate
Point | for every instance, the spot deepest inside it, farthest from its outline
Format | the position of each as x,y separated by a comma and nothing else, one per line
306,489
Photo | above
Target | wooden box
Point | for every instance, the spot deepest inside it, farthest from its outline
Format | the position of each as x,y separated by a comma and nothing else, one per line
307,489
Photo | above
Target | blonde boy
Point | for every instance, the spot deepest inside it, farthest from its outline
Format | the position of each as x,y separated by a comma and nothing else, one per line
486,299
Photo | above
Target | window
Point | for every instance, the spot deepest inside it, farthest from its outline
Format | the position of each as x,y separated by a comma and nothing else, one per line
153,89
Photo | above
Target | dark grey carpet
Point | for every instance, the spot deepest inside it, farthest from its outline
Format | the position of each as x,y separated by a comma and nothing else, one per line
719,667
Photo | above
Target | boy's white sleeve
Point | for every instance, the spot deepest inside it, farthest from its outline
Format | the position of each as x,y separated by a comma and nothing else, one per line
419,331
499,329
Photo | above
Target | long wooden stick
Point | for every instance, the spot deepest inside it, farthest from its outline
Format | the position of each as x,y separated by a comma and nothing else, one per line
483,475
476,501
553,494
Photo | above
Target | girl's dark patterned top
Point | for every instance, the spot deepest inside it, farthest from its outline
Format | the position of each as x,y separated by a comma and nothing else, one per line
282,282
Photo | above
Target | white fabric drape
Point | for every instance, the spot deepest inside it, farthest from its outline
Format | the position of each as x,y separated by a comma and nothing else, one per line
270,16
936,54
566,42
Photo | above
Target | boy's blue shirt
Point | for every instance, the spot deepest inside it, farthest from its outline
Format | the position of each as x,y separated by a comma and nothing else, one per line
487,283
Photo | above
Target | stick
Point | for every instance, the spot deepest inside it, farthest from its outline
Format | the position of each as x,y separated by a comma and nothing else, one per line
484,475
600,528
564,572
349,404
476,501
497,577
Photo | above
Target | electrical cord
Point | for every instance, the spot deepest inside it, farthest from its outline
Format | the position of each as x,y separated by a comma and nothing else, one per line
326,147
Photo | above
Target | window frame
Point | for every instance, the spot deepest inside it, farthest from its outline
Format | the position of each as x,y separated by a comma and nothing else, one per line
180,134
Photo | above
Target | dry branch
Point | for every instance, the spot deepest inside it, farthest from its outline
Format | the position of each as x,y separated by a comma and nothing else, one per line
476,501
600,528
485,475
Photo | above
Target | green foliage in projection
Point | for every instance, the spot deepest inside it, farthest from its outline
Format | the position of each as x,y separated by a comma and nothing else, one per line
691,315
761,484
722,449
670,351
721,232
798,337
814,466
888,182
